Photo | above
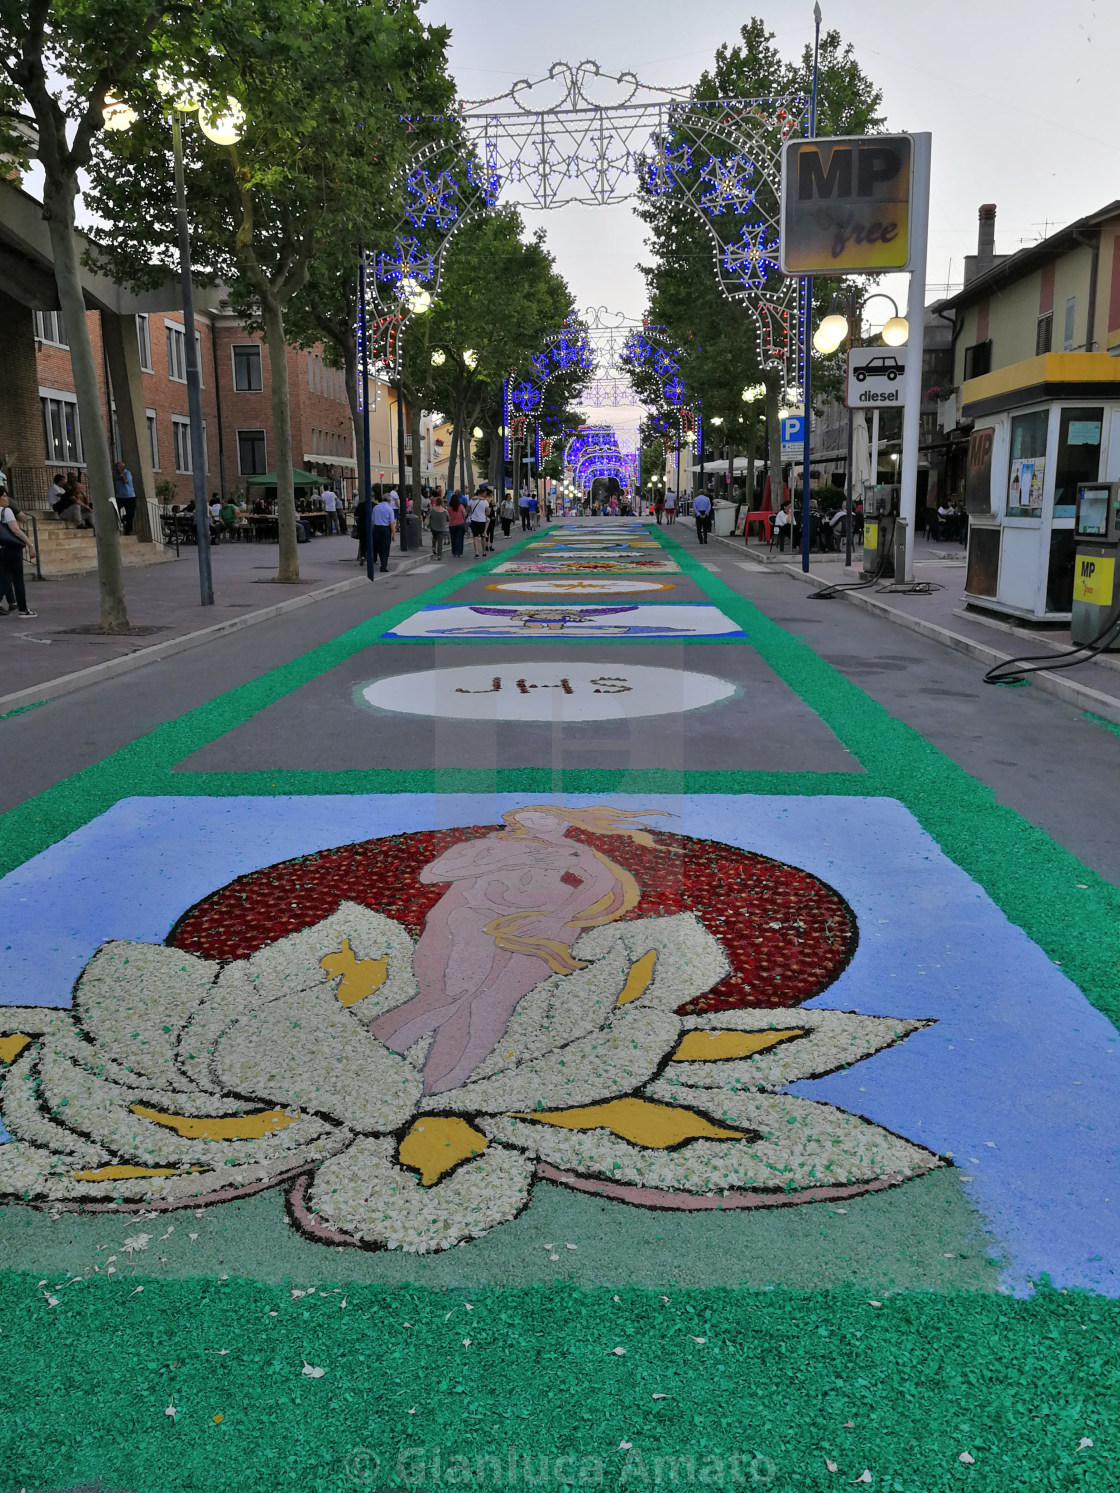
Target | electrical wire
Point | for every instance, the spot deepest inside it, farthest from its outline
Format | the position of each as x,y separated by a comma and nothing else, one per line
1067,658
829,593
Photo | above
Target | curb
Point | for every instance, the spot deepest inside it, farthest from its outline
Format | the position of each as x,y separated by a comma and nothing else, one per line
1083,696
36,694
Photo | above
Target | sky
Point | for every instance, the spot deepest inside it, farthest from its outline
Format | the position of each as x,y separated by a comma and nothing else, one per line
1020,97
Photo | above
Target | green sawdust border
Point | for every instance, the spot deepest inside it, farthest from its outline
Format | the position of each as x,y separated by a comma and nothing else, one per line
784,1379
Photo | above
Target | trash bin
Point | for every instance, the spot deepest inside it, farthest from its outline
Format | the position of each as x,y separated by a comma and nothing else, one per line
723,518
414,532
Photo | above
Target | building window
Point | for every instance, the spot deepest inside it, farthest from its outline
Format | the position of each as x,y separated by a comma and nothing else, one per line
49,327
1044,334
978,359
311,370
176,356
153,438
181,435
1028,464
144,342
247,377
177,353
251,453
1067,336
1079,456
62,434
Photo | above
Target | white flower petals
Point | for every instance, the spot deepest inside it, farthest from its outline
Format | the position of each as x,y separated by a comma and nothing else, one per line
967,1459
312,1372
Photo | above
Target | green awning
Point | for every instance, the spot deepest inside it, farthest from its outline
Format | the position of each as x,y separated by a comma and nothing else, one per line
302,479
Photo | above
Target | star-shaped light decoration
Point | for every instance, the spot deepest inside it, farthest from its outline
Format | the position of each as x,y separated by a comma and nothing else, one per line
725,186
753,257
408,261
432,201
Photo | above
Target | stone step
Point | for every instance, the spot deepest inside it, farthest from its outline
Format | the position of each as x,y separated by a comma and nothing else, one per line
64,551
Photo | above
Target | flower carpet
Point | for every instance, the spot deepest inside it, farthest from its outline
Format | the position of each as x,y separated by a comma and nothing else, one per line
455,1124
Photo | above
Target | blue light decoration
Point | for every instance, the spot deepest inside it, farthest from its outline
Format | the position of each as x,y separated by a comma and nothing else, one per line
525,397
726,185
636,351
672,161
663,364
754,257
407,262
488,178
431,201
674,390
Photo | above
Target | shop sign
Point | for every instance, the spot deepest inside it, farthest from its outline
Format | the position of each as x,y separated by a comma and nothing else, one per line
846,205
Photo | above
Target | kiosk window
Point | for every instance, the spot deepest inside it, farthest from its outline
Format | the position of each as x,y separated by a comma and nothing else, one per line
1079,457
1028,465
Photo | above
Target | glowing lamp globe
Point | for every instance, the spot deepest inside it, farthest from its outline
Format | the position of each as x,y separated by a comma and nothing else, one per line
182,93
830,333
222,123
896,331
470,358
477,433
116,115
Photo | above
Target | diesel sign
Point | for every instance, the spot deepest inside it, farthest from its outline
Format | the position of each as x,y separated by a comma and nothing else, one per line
846,205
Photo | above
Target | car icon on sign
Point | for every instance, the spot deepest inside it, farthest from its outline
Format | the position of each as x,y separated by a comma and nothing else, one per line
887,367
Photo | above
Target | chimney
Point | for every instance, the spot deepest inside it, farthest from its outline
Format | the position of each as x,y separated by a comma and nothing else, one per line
986,238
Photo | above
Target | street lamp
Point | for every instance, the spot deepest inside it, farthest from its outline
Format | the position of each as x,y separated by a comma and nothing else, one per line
222,123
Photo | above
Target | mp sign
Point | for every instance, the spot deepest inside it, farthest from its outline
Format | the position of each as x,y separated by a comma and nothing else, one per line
876,378
846,205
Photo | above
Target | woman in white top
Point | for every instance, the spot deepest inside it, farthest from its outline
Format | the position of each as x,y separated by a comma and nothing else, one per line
480,519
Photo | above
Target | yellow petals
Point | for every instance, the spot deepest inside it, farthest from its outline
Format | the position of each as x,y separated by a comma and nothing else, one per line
639,978
714,1047
641,1121
360,977
219,1127
11,1047
217,1419
125,1173
437,1143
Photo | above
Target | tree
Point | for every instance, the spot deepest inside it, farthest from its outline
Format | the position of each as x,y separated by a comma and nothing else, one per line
719,338
499,297
325,84
61,58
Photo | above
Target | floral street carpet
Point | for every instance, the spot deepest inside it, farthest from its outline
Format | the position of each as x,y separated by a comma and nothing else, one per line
344,1111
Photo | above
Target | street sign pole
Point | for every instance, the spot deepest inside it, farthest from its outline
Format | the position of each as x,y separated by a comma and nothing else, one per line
915,316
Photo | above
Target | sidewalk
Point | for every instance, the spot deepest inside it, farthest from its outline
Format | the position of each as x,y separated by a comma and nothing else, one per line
941,615
165,599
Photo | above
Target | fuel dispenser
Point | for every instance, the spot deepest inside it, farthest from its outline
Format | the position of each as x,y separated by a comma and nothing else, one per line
881,526
1096,594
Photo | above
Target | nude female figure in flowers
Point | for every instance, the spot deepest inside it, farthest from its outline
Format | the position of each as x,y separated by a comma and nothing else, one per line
518,900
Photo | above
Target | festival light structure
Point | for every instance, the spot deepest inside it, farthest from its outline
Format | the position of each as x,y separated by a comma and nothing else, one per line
583,135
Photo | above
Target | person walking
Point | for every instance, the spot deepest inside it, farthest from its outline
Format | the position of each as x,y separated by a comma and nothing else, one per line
671,507
659,506
125,494
480,519
523,509
456,525
437,526
492,521
384,531
702,508
509,513
13,543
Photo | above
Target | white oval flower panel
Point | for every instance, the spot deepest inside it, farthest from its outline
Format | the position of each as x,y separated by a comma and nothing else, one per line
546,691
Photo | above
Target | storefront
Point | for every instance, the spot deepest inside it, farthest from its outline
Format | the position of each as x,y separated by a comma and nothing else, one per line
1040,429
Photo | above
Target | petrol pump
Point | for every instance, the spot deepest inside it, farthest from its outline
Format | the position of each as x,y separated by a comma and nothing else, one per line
881,526
1096,594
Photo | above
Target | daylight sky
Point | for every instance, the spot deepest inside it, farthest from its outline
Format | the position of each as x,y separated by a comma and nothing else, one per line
1020,96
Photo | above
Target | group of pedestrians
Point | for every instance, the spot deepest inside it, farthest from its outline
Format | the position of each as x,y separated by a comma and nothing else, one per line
665,507
448,521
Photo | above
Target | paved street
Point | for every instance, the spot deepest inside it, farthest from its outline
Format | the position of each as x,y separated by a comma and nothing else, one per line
645,926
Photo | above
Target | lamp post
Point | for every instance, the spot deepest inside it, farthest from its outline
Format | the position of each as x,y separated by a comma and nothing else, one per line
222,123
832,332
